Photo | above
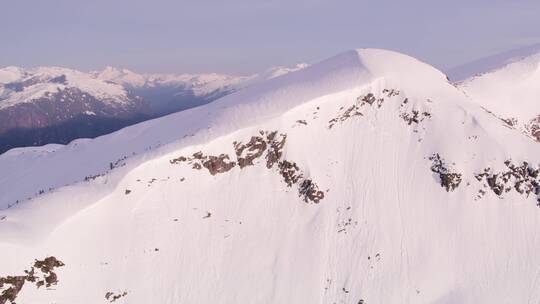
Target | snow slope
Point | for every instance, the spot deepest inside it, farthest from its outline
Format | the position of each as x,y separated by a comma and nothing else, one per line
345,182
512,92
491,63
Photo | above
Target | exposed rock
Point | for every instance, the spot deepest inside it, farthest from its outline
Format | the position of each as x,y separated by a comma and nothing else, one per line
112,297
352,111
510,122
448,179
178,160
16,283
414,116
246,153
290,172
391,92
362,101
533,127
275,149
309,191
214,164
218,164
267,142
12,285
523,179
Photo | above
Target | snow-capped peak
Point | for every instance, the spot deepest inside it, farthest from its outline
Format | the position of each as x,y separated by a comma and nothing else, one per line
365,178
28,85
120,76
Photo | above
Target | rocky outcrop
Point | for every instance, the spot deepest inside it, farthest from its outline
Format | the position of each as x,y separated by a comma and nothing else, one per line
411,114
522,178
42,273
113,297
267,143
533,127
448,178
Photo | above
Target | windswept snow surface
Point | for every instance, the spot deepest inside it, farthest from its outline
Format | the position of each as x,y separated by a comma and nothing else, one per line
491,63
394,153
512,92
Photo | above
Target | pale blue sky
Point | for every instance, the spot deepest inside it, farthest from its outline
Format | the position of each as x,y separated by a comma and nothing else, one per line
245,36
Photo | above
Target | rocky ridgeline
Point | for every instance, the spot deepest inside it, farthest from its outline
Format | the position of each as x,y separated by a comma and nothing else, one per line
267,144
40,274
410,114
523,179
448,178
510,122
533,127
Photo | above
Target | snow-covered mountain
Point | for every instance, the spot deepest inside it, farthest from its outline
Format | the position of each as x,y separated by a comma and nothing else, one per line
511,91
366,178
490,63
56,105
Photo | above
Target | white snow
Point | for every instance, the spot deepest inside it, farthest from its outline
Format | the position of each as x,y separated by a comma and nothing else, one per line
406,239
108,92
9,74
491,63
201,84
510,91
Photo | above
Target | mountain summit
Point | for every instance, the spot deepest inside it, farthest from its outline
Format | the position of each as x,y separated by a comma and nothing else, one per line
365,178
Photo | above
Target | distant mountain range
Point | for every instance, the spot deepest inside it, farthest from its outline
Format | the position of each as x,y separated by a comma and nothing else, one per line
57,105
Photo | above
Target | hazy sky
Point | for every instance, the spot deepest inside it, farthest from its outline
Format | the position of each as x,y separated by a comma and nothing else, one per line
245,36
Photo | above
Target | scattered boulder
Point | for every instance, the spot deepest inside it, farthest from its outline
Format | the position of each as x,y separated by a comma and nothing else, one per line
533,128
112,297
449,180
44,275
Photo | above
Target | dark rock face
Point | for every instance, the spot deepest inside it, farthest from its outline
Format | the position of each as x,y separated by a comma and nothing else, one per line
522,178
214,164
309,192
112,297
290,172
534,128
414,117
448,179
247,153
267,142
42,273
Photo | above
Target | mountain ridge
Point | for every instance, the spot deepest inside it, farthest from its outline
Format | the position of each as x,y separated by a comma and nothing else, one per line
511,92
349,181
